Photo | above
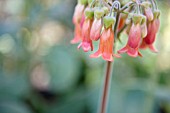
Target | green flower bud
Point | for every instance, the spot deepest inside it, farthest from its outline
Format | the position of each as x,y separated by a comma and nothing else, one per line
137,18
106,10
146,4
89,13
143,19
98,13
108,21
90,1
156,14
83,2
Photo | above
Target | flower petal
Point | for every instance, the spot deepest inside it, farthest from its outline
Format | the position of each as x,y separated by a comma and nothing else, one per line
153,49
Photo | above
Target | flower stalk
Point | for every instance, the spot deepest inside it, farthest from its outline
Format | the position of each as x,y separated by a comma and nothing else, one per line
104,21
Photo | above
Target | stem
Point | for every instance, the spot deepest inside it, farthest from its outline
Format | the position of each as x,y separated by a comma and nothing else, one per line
106,88
108,76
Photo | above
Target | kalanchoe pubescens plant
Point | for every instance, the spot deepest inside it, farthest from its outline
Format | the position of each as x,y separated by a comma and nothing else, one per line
140,19
105,20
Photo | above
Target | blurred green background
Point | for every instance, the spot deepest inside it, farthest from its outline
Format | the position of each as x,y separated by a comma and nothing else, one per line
41,72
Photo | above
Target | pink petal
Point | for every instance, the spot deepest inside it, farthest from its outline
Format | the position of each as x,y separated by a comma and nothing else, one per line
107,56
132,52
153,49
123,50
96,54
116,55
75,40
86,46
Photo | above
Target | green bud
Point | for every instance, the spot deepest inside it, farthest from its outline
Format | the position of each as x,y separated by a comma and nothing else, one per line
137,18
83,2
90,1
106,10
143,19
146,4
108,21
98,13
89,13
156,14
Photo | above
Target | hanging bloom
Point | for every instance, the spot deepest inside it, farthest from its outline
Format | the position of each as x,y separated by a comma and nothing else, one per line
153,28
78,21
134,39
86,43
106,41
97,25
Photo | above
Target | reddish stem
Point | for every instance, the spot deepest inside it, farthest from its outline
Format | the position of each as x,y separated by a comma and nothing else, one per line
106,88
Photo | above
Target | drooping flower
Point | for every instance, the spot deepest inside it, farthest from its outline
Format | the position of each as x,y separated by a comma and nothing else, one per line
86,43
153,28
134,40
106,41
97,25
78,21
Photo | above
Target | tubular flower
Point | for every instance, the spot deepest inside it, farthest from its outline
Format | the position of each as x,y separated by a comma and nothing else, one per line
134,39
97,25
86,43
153,28
78,21
106,41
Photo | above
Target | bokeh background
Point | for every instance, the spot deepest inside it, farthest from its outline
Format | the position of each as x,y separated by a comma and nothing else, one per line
41,72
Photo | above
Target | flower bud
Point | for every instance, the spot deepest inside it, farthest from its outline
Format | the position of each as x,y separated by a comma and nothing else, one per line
90,1
146,4
98,13
108,21
156,14
89,13
106,10
83,2
137,18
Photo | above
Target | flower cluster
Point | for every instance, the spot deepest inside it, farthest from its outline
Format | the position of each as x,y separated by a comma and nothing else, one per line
104,20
